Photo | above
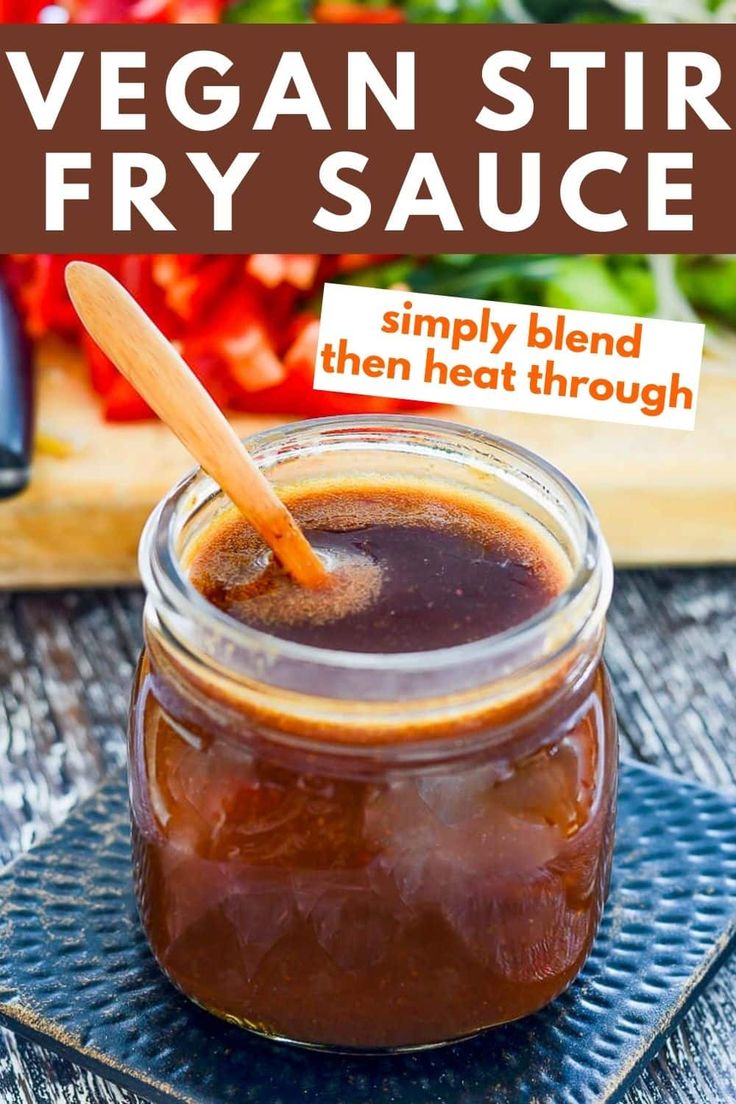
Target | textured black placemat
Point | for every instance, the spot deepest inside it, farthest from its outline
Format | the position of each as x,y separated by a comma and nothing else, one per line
75,973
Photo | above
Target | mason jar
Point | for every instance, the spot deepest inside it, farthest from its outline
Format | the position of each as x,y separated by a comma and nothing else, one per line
373,851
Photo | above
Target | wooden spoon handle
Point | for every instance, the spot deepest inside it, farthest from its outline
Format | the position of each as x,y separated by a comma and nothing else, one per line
156,370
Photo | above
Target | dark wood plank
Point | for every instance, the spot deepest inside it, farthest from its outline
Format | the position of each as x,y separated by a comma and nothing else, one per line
66,661
671,652
66,666
31,1075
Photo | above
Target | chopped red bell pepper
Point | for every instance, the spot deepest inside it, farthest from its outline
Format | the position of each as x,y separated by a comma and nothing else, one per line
122,403
272,269
21,11
191,283
144,11
349,262
297,395
102,371
237,333
239,321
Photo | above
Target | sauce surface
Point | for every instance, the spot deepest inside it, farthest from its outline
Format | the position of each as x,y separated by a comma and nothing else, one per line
412,571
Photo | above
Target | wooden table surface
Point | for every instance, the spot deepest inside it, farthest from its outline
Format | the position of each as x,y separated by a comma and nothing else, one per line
66,661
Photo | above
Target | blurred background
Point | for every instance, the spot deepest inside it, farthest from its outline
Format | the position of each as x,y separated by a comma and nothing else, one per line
82,461
85,460
368,11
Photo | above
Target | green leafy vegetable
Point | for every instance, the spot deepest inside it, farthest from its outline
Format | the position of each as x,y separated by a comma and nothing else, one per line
269,11
619,285
709,283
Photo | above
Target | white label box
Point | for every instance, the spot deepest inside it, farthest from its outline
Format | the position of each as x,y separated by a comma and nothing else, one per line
506,356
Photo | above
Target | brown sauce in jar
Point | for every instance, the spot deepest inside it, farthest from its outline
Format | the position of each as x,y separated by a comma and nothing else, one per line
316,903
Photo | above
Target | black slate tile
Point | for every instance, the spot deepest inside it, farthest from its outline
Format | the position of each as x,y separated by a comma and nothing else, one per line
75,972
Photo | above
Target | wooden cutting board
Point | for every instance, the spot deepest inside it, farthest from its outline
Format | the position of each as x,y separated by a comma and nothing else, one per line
663,496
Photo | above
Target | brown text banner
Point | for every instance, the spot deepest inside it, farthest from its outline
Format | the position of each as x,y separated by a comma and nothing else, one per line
368,139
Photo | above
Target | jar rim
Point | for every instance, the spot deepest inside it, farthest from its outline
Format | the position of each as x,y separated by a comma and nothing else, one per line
589,586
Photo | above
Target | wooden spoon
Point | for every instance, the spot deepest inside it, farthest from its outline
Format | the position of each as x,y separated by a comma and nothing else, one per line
155,369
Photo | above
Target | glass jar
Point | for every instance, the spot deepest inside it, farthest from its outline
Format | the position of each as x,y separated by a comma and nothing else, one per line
373,851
